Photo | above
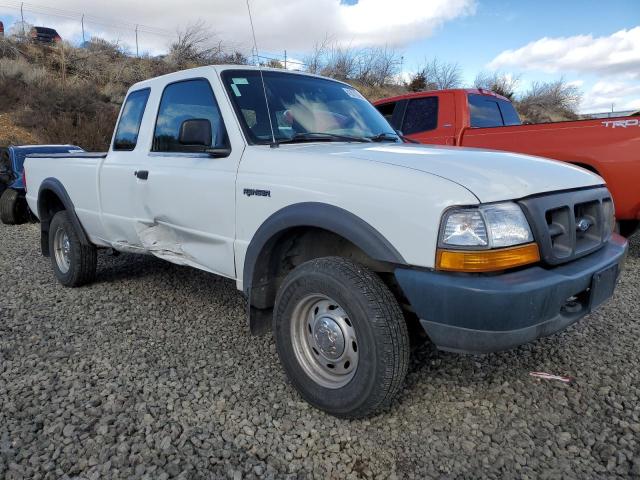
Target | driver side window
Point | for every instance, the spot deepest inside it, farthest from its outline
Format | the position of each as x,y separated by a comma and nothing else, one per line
182,101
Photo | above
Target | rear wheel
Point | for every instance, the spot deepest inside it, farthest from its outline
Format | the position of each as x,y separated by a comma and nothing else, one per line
13,207
74,263
626,228
341,337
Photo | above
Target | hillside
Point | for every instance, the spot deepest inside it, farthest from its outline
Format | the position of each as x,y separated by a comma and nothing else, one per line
66,94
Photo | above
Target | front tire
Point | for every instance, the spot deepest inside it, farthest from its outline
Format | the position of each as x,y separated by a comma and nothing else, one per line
74,264
13,208
341,337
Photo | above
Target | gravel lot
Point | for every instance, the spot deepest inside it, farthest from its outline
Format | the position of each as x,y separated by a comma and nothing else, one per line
151,373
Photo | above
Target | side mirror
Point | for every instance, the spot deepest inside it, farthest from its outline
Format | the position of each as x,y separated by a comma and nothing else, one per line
195,132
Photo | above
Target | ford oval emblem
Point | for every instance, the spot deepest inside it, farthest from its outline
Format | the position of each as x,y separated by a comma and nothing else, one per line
583,224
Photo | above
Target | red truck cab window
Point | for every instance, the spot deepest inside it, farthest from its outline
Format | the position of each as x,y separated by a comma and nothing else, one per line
424,118
488,111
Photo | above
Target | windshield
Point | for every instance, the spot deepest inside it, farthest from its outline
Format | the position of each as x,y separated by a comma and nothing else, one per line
302,107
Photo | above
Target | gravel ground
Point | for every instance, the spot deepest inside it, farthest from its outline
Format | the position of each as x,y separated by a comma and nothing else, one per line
151,373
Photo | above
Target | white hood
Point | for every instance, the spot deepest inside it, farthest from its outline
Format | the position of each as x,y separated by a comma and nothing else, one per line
490,175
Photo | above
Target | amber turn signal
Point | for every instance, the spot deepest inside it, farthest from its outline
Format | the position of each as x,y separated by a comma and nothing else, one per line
487,260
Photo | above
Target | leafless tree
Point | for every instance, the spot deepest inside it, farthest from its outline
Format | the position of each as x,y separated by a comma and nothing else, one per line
500,83
550,101
196,44
315,60
441,75
341,63
374,66
274,63
20,30
377,66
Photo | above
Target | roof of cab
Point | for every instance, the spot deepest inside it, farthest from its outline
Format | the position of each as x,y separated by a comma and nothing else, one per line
426,93
201,71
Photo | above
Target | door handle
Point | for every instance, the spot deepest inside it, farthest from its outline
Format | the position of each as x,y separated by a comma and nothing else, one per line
142,174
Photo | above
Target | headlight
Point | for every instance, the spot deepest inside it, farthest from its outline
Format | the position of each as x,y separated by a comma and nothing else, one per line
488,226
485,239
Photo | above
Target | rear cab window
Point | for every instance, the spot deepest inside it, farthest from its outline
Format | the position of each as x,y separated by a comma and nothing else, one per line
126,136
488,111
387,110
421,115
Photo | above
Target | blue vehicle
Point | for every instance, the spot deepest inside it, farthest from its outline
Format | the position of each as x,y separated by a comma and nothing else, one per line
13,206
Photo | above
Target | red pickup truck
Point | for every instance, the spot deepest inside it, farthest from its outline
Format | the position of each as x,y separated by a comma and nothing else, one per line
609,147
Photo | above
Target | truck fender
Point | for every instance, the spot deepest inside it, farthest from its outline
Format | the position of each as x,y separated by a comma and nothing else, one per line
46,212
319,215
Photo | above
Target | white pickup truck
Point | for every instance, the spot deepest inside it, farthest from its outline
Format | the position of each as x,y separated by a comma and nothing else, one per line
343,238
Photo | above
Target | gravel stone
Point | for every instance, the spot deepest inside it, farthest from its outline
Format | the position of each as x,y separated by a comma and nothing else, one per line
151,373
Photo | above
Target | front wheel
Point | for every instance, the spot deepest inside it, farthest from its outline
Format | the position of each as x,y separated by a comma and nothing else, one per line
341,337
74,263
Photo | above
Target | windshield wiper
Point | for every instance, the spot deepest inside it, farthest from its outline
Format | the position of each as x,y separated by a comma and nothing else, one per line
391,137
322,136
385,137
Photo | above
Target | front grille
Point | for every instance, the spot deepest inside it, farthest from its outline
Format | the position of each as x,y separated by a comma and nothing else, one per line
568,225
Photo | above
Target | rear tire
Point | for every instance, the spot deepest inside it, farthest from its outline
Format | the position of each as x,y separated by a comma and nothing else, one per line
74,264
627,228
13,208
341,337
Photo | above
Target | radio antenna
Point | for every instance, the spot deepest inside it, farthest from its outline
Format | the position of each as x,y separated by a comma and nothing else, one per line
264,87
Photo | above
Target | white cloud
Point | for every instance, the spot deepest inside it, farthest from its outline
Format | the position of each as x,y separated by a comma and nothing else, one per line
292,25
604,94
616,54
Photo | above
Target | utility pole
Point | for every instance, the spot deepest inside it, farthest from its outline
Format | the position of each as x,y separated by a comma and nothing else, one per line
82,22
63,66
137,51
285,59
22,16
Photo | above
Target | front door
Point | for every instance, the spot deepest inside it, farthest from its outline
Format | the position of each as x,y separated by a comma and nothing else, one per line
188,199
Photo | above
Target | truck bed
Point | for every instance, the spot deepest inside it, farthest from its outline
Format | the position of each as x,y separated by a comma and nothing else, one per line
69,155
601,145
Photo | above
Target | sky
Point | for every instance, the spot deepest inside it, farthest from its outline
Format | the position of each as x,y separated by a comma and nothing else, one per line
594,45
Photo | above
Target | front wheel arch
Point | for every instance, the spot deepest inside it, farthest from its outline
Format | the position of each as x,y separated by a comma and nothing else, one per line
351,236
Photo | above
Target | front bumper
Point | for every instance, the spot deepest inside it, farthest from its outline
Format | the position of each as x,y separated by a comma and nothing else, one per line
487,313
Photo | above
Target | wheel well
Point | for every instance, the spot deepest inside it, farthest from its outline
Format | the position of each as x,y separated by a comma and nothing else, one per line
49,203
290,248
591,168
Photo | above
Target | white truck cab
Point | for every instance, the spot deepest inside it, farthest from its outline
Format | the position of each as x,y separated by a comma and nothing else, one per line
342,237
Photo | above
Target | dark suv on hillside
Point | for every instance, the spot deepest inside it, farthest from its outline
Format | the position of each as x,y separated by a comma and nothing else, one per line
44,35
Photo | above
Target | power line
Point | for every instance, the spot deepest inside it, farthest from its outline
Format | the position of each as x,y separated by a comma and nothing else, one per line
92,19
119,26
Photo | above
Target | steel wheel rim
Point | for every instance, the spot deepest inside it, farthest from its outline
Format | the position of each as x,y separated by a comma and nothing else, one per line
62,250
324,341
